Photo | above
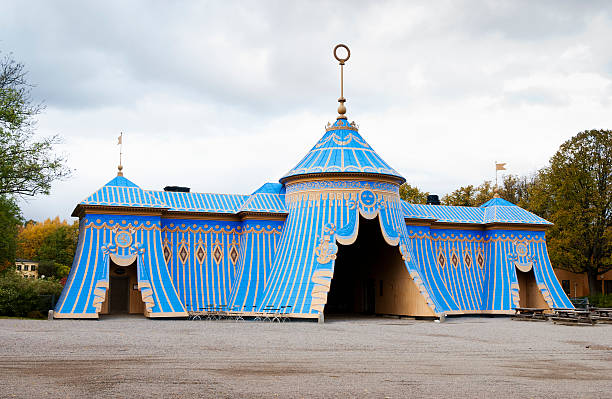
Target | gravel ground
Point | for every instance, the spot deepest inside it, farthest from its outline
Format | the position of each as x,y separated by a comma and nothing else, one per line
366,357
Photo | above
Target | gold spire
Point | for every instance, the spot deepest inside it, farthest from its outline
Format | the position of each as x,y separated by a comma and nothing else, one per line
120,144
342,100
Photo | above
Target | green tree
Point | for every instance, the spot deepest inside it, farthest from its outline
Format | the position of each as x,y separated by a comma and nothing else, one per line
575,193
59,245
517,189
51,269
463,196
513,188
27,297
28,165
412,194
51,242
10,220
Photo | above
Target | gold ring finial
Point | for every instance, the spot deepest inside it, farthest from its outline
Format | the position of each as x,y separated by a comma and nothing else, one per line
348,53
342,100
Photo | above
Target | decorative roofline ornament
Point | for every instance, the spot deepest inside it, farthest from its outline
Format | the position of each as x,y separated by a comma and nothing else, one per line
342,100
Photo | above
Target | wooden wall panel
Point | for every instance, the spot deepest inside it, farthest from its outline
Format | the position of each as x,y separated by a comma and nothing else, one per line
136,305
529,293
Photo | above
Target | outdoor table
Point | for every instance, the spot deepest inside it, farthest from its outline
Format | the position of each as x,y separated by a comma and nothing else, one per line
573,317
602,315
530,314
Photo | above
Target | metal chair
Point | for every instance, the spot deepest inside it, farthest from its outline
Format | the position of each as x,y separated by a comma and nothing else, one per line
284,313
271,314
258,316
236,313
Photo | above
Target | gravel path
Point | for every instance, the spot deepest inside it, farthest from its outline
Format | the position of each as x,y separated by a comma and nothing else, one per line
375,357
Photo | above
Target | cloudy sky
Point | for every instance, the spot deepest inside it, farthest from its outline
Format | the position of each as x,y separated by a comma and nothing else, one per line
225,96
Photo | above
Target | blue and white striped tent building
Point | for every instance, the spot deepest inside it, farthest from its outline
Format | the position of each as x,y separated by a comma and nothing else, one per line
332,236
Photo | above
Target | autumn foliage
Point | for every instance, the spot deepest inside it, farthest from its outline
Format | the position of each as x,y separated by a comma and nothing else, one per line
52,243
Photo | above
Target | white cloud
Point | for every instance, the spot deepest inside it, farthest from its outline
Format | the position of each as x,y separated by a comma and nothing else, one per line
223,97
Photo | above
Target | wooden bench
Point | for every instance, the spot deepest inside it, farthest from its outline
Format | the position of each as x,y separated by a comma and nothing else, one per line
530,314
580,303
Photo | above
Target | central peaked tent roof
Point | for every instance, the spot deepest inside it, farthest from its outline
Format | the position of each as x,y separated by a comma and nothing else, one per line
342,150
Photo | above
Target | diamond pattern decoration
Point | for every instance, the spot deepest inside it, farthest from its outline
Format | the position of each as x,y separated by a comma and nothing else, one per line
234,254
183,253
467,258
455,258
201,253
480,259
218,253
167,252
441,257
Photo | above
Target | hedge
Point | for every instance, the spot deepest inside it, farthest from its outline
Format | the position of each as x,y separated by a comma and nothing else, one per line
23,297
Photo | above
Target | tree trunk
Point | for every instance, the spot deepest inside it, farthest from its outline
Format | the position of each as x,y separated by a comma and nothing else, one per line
594,284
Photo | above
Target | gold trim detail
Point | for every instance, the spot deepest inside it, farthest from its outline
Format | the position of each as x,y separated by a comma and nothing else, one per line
326,250
123,239
405,253
322,279
146,293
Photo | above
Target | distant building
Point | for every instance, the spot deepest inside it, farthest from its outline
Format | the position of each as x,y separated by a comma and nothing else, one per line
27,268
577,284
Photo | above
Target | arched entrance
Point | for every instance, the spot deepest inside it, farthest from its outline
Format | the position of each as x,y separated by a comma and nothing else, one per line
123,295
370,277
530,295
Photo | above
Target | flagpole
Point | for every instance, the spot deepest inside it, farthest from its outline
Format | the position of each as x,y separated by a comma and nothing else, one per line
120,143
498,167
120,147
495,174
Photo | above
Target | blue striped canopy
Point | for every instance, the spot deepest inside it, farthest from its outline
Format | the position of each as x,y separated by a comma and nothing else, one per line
490,212
342,150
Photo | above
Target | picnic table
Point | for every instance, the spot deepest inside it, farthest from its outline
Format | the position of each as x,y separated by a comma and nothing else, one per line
530,314
602,315
573,317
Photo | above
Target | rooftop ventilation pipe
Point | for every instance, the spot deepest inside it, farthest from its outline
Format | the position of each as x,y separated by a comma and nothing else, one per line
433,200
177,189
